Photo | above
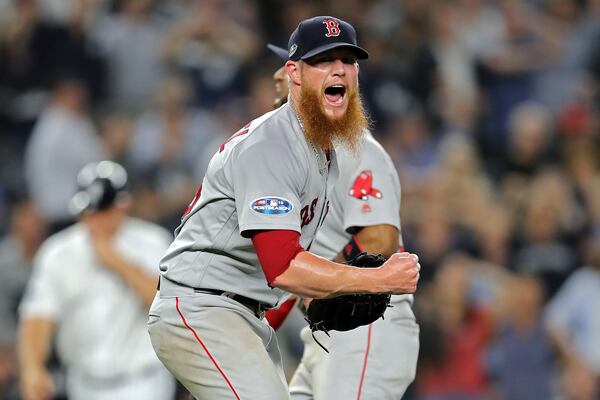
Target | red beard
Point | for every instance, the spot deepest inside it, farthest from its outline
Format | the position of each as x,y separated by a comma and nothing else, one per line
324,131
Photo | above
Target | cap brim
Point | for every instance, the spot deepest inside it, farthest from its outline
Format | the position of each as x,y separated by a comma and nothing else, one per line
279,51
361,53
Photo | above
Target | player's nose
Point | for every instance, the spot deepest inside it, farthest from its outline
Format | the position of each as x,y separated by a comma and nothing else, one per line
337,67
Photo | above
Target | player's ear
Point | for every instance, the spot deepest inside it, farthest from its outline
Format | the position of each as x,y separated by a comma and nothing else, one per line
293,70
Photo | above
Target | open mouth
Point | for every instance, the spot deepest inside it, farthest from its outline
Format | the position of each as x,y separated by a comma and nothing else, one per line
335,94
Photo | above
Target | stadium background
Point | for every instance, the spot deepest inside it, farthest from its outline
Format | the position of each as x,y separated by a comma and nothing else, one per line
488,108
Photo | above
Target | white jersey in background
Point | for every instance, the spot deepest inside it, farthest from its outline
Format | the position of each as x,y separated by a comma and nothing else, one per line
101,336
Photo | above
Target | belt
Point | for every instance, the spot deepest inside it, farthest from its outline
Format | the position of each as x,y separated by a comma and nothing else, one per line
255,306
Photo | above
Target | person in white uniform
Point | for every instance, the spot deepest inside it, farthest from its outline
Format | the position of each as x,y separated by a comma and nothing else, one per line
371,362
243,244
91,287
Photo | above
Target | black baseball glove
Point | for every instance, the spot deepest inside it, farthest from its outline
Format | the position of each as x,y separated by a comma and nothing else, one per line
347,312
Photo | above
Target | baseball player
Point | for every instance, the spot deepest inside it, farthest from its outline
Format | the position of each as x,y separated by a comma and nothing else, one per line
91,287
243,244
370,362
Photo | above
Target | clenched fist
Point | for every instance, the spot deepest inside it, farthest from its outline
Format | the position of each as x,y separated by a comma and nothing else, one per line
400,273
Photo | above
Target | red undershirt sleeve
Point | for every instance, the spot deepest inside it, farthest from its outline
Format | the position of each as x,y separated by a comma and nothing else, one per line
275,250
277,316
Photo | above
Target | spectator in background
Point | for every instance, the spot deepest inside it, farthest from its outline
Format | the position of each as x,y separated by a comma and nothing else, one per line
528,152
433,236
522,354
572,31
214,60
116,130
465,330
509,46
572,320
62,142
91,287
77,53
547,229
26,67
530,138
165,145
412,146
129,41
17,248
467,188
402,73
456,69
494,234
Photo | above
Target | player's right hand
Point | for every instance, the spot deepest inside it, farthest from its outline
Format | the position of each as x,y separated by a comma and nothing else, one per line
400,273
37,384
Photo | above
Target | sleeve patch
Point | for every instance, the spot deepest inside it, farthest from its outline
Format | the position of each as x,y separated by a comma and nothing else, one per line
271,205
362,187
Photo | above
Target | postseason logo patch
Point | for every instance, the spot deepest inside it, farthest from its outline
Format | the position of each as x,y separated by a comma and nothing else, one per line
271,205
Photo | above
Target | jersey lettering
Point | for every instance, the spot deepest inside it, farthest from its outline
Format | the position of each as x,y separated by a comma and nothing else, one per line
241,132
333,27
325,213
308,213
193,203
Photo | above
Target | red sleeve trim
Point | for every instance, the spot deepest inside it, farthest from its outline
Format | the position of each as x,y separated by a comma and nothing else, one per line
277,316
275,250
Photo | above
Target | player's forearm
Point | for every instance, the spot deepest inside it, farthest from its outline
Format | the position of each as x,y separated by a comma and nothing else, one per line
375,239
312,276
34,341
142,284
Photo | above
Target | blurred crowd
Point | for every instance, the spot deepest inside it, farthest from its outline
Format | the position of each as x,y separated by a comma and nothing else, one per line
489,109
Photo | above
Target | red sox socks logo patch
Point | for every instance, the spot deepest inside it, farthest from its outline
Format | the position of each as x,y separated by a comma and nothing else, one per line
333,27
363,187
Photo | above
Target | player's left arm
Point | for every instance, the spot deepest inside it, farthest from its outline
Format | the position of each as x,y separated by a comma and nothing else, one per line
34,343
381,239
370,205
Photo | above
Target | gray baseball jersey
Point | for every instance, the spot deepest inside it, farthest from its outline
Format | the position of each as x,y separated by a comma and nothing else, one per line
377,361
358,198
367,193
265,177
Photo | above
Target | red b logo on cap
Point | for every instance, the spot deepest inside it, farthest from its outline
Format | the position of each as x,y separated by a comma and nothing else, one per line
333,27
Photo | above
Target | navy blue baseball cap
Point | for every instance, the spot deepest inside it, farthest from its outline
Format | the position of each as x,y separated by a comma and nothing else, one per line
101,185
318,34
